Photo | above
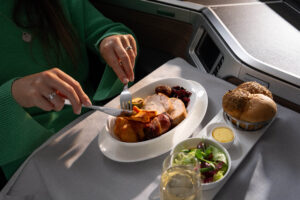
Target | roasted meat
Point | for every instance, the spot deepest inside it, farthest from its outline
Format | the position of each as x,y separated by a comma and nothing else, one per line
158,126
178,113
158,102
164,89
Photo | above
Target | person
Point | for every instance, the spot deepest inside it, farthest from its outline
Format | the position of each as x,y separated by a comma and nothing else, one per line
43,51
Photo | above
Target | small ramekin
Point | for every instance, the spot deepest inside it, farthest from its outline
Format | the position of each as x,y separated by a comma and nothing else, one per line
213,126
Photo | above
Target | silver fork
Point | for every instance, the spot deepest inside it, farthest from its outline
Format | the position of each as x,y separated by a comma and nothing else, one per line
126,98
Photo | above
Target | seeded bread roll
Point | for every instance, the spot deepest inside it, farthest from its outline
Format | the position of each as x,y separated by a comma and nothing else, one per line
234,102
250,102
255,88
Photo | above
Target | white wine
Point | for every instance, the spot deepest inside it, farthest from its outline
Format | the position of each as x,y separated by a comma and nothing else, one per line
180,183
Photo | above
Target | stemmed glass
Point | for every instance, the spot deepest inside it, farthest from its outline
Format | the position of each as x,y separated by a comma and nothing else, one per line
180,182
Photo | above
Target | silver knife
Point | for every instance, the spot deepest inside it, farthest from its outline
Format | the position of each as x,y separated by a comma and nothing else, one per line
110,111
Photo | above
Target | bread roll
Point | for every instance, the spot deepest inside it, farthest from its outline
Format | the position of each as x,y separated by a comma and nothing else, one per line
250,102
259,108
235,101
255,88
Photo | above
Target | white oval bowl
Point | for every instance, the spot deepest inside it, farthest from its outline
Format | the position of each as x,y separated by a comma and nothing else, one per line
120,151
192,143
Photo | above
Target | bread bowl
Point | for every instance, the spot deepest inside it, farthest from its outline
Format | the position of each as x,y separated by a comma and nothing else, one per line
250,106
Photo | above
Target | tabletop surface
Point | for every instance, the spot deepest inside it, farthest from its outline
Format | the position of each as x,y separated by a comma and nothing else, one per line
71,166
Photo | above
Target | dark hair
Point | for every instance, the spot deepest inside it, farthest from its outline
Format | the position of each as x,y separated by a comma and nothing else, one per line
48,22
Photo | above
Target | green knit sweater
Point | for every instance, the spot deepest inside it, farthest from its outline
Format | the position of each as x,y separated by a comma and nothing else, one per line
23,130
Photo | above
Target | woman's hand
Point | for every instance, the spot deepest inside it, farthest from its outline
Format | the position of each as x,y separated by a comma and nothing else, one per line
47,90
119,52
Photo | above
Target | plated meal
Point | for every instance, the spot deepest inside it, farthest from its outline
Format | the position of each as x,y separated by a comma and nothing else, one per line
162,120
153,115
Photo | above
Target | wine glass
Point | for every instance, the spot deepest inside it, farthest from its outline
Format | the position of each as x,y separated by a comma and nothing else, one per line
180,182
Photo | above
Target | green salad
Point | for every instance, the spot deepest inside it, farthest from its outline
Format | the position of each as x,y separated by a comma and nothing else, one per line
213,161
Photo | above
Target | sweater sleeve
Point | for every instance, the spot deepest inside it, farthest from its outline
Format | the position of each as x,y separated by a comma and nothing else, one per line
19,133
96,28
92,25
99,27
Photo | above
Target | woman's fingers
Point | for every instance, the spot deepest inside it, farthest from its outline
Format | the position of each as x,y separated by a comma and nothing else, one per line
47,91
58,102
51,97
43,103
116,65
130,52
126,64
54,82
76,85
109,55
36,98
132,44
118,49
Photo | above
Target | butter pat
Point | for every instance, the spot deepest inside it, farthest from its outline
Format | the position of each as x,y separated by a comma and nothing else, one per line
223,134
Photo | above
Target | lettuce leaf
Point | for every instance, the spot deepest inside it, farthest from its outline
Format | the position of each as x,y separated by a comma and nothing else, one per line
218,155
218,175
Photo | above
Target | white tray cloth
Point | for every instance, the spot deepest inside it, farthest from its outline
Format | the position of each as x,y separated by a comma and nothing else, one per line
70,165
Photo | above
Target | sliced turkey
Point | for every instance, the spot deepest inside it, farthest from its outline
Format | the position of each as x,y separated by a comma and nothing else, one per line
178,113
158,102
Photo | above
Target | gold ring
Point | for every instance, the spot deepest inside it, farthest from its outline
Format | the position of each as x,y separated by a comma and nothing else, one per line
128,48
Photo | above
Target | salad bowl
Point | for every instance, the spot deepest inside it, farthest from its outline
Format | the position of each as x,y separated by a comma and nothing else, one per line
214,170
